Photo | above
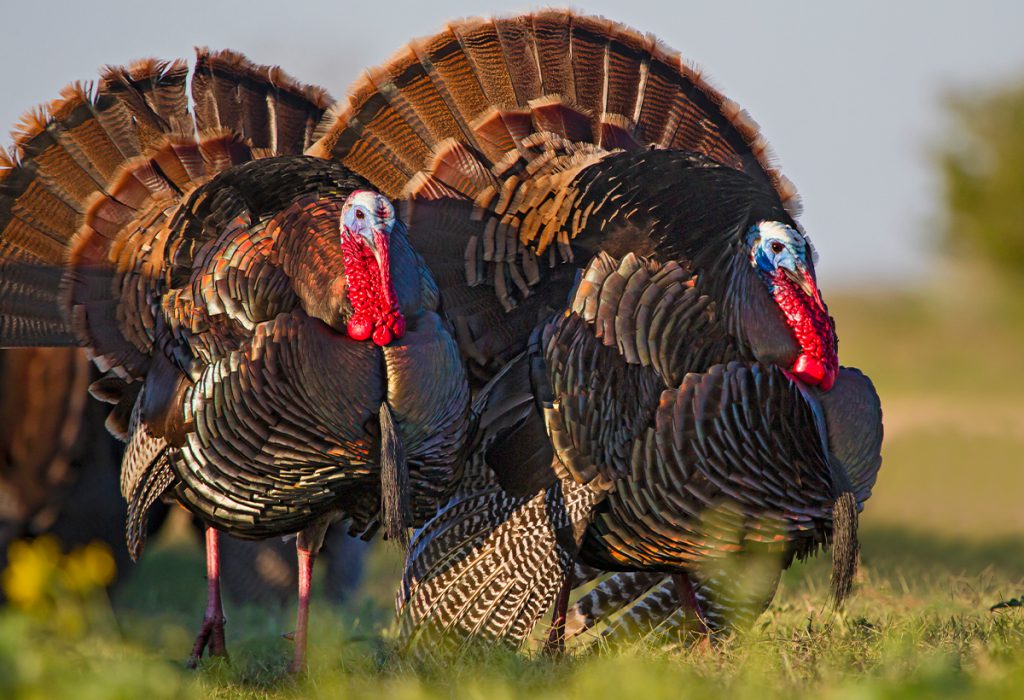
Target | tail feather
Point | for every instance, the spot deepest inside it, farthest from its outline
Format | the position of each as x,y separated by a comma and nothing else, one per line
104,160
29,300
620,82
482,130
489,564
154,92
481,41
273,111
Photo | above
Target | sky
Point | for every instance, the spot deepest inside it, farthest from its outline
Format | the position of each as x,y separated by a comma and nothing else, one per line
849,94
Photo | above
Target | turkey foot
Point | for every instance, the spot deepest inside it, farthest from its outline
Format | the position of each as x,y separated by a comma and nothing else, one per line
211,634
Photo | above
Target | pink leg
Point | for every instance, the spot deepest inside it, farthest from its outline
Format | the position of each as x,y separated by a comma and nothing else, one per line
555,645
688,596
211,634
306,561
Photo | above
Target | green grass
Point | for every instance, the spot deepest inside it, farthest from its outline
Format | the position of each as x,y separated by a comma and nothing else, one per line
942,541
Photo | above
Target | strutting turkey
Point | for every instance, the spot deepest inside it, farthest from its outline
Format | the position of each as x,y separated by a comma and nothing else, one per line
688,403
270,339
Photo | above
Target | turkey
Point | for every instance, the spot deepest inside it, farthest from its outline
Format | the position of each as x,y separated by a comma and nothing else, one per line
685,402
271,342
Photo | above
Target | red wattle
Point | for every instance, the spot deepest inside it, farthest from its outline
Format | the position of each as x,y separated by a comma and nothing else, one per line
809,370
828,381
397,325
359,328
375,312
806,314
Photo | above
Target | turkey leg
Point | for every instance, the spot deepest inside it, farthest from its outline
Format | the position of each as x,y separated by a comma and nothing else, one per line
555,646
688,598
211,634
307,546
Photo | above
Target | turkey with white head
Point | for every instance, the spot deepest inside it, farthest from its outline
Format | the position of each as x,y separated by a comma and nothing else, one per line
271,341
688,402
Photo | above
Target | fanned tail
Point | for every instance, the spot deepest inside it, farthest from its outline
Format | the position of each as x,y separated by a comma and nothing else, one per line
481,129
96,176
105,161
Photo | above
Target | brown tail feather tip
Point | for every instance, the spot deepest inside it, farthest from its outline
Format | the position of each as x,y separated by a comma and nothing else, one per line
845,547
32,123
144,69
233,61
342,133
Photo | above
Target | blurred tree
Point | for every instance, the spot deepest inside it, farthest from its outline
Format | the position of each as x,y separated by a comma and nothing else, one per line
983,172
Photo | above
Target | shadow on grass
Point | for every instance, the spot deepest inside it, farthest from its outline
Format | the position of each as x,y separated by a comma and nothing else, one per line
891,550
905,562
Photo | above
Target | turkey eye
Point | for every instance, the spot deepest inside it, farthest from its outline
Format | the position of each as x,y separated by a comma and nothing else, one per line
360,214
777,247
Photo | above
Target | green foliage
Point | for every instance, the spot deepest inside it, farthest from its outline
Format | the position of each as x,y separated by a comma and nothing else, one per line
982,165
935,638
942,543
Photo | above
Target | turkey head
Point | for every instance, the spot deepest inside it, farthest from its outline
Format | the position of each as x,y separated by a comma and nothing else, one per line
782,259
366,222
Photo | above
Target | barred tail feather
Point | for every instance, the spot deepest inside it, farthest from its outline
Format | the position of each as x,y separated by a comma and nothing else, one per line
501,566
489,564
490,84
272,111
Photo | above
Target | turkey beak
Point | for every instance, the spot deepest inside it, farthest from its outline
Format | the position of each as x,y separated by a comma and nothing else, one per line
380,251
376,253
804,279
378,246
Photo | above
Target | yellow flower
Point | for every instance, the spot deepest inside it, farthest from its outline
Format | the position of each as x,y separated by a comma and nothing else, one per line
31,569
89,567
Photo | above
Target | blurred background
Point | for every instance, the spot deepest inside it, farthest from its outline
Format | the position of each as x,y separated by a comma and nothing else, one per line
901,124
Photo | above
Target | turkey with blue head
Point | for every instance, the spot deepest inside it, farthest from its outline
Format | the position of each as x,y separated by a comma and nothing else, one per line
271,343
627,279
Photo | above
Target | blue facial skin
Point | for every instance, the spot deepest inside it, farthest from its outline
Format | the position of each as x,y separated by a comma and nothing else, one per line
762,260
766,236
